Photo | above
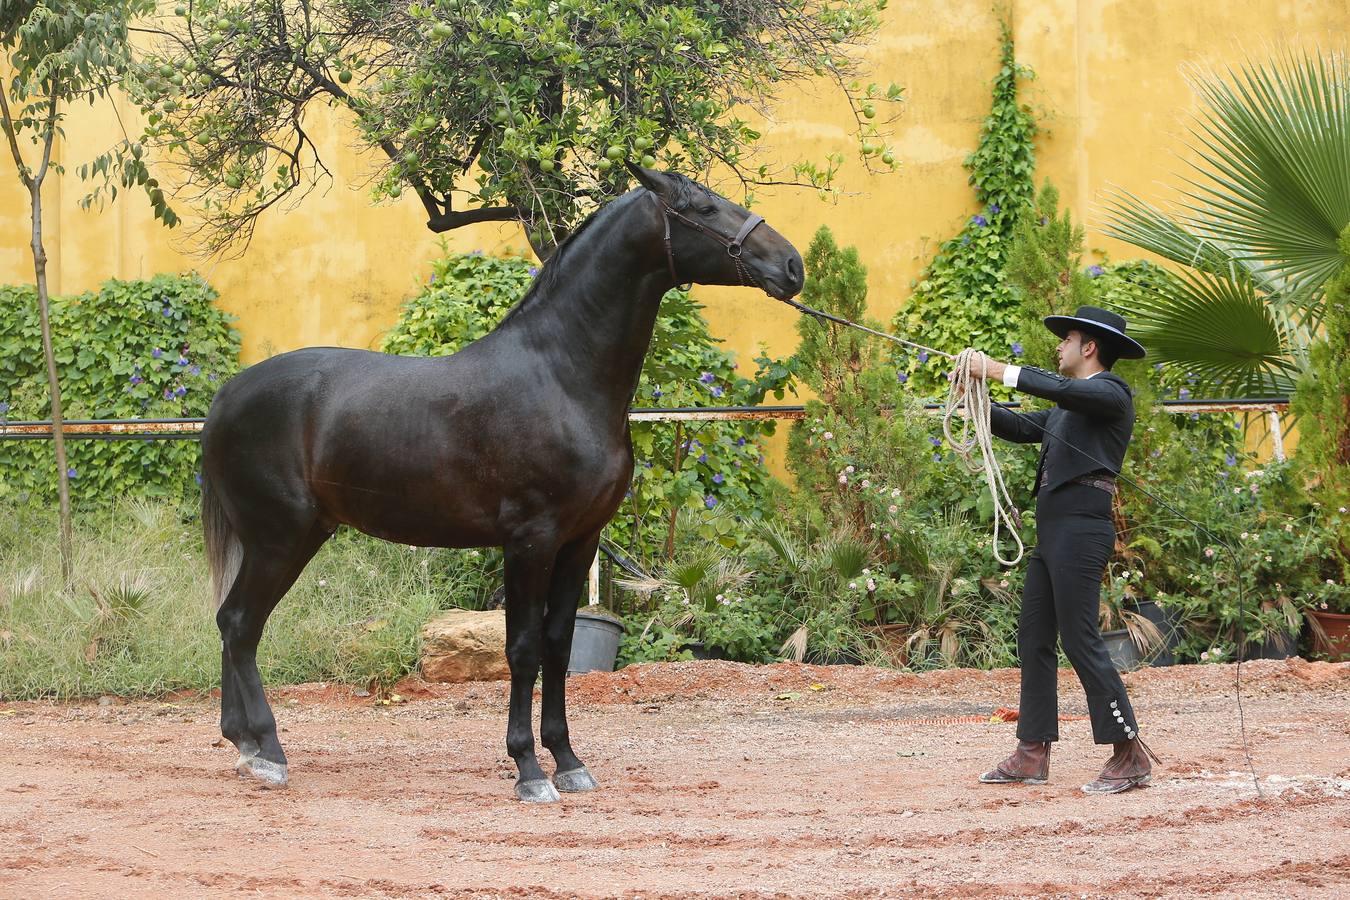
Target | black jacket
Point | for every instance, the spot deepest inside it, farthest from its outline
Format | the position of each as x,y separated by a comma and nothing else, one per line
1094,414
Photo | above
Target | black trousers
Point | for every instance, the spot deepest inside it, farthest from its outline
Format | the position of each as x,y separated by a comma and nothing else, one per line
1075,537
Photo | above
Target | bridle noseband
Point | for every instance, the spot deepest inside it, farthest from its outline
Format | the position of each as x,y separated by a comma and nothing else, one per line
733,244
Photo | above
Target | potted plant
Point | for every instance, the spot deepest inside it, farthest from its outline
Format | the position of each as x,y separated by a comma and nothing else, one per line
1328,613
1131,637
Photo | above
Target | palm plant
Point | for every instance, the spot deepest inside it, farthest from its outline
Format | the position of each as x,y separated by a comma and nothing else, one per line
1256,230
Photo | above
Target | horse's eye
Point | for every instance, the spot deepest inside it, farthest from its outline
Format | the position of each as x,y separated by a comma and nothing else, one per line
707,211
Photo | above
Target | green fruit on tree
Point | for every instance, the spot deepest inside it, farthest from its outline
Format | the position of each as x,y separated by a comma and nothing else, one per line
410,159
345,76
888,158
869,111
180,10
868,148
395,192
520,118
546,166
500,116
508,133
642,143
233,182
648,160
604,165
614,153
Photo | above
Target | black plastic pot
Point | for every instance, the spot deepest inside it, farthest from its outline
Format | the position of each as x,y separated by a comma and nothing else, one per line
1166,621
595,643
1276,645
1124,654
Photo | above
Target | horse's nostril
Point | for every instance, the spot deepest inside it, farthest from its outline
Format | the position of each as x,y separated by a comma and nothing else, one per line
794,270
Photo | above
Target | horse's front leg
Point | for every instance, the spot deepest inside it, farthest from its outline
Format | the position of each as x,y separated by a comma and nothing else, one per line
528,571
569,576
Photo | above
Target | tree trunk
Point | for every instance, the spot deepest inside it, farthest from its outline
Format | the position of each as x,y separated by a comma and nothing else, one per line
53,385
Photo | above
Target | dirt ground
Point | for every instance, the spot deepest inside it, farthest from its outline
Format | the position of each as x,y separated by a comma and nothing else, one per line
717,780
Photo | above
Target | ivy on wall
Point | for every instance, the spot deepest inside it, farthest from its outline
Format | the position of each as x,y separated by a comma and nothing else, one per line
150,349
962,298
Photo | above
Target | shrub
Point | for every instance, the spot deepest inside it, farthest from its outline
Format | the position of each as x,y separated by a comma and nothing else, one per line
133,349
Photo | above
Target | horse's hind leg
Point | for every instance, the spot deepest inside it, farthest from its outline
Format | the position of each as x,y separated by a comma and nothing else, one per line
528,571
245,716
569,576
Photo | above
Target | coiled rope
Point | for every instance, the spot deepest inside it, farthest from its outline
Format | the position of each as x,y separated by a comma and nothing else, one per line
968,400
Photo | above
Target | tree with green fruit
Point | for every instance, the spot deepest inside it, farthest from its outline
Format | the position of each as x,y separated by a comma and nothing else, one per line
516,110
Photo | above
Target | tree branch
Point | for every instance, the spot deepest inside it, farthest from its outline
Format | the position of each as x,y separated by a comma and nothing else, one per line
450,220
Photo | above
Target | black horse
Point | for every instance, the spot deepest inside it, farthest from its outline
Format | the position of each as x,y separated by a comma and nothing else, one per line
519,440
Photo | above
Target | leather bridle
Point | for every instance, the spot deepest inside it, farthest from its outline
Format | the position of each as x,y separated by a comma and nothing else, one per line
733,244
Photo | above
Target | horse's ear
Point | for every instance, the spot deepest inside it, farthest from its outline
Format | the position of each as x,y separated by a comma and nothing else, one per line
651,179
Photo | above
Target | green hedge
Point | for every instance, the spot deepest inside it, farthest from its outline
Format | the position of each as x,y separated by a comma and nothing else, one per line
149,349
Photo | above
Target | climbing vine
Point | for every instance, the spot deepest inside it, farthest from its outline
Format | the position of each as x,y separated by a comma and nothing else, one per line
962,298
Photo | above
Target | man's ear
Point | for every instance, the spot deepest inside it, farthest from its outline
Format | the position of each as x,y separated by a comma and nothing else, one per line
651,179
1084,343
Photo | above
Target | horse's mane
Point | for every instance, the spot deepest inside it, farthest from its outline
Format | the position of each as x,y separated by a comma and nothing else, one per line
684,191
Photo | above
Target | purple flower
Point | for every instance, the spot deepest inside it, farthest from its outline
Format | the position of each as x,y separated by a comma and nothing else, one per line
1195,417
923,356
935,441
1157,367
647,464
1017,348
196,370
1044,220
180,391
166,312
707,378
197,477
1184,394
937,457
717,390
4,407
901,377
533,271
1230,459
211,376
136,379
475,252
703,457
740,442
182,360
656,393
433,277
995,209
695,442
157,353
70,473
1094,271
710,501
168,393
718,479
979,221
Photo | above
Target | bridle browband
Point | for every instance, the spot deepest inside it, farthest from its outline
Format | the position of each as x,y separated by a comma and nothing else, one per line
733,244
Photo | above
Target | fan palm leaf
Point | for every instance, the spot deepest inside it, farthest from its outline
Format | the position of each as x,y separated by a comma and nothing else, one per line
1256,232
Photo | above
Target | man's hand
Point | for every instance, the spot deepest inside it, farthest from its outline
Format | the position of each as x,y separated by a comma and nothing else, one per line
982,365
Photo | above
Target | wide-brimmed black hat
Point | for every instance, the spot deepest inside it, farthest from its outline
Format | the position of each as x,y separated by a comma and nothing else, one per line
1099,323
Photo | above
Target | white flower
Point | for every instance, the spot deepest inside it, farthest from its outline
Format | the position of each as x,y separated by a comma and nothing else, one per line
1205,655
684,601
1269,559
1209,552
1243,536
1342,509
1289,526
892,509
1003,583
1331,583
843,479
888,535
895,493
871,585
867,571
829,435
323,582
853,585
719,598
866,483
848,469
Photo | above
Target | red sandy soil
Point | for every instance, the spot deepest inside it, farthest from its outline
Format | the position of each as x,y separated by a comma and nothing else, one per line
717,780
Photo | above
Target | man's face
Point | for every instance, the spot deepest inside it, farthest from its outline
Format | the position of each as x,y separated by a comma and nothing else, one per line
1070,350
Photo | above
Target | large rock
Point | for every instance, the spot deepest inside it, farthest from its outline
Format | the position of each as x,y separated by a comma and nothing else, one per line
464,645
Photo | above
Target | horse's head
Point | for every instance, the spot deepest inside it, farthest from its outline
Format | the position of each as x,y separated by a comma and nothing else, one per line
710,240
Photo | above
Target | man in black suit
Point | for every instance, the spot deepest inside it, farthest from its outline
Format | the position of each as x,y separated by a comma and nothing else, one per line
1083,441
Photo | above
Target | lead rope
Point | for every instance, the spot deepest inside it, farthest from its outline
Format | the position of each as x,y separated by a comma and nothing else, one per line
968,398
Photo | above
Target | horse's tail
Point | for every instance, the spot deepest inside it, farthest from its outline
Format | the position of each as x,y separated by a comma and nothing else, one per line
224,552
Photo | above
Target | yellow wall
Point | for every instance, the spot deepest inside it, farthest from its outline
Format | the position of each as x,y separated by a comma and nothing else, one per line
1110,95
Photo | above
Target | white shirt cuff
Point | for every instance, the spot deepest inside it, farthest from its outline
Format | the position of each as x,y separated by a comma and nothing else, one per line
1010,375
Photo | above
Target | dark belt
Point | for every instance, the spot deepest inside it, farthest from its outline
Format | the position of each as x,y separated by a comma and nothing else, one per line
1100,482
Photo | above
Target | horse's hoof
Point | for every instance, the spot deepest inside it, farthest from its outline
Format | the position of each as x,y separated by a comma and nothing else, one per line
575,781
537,790
271,774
